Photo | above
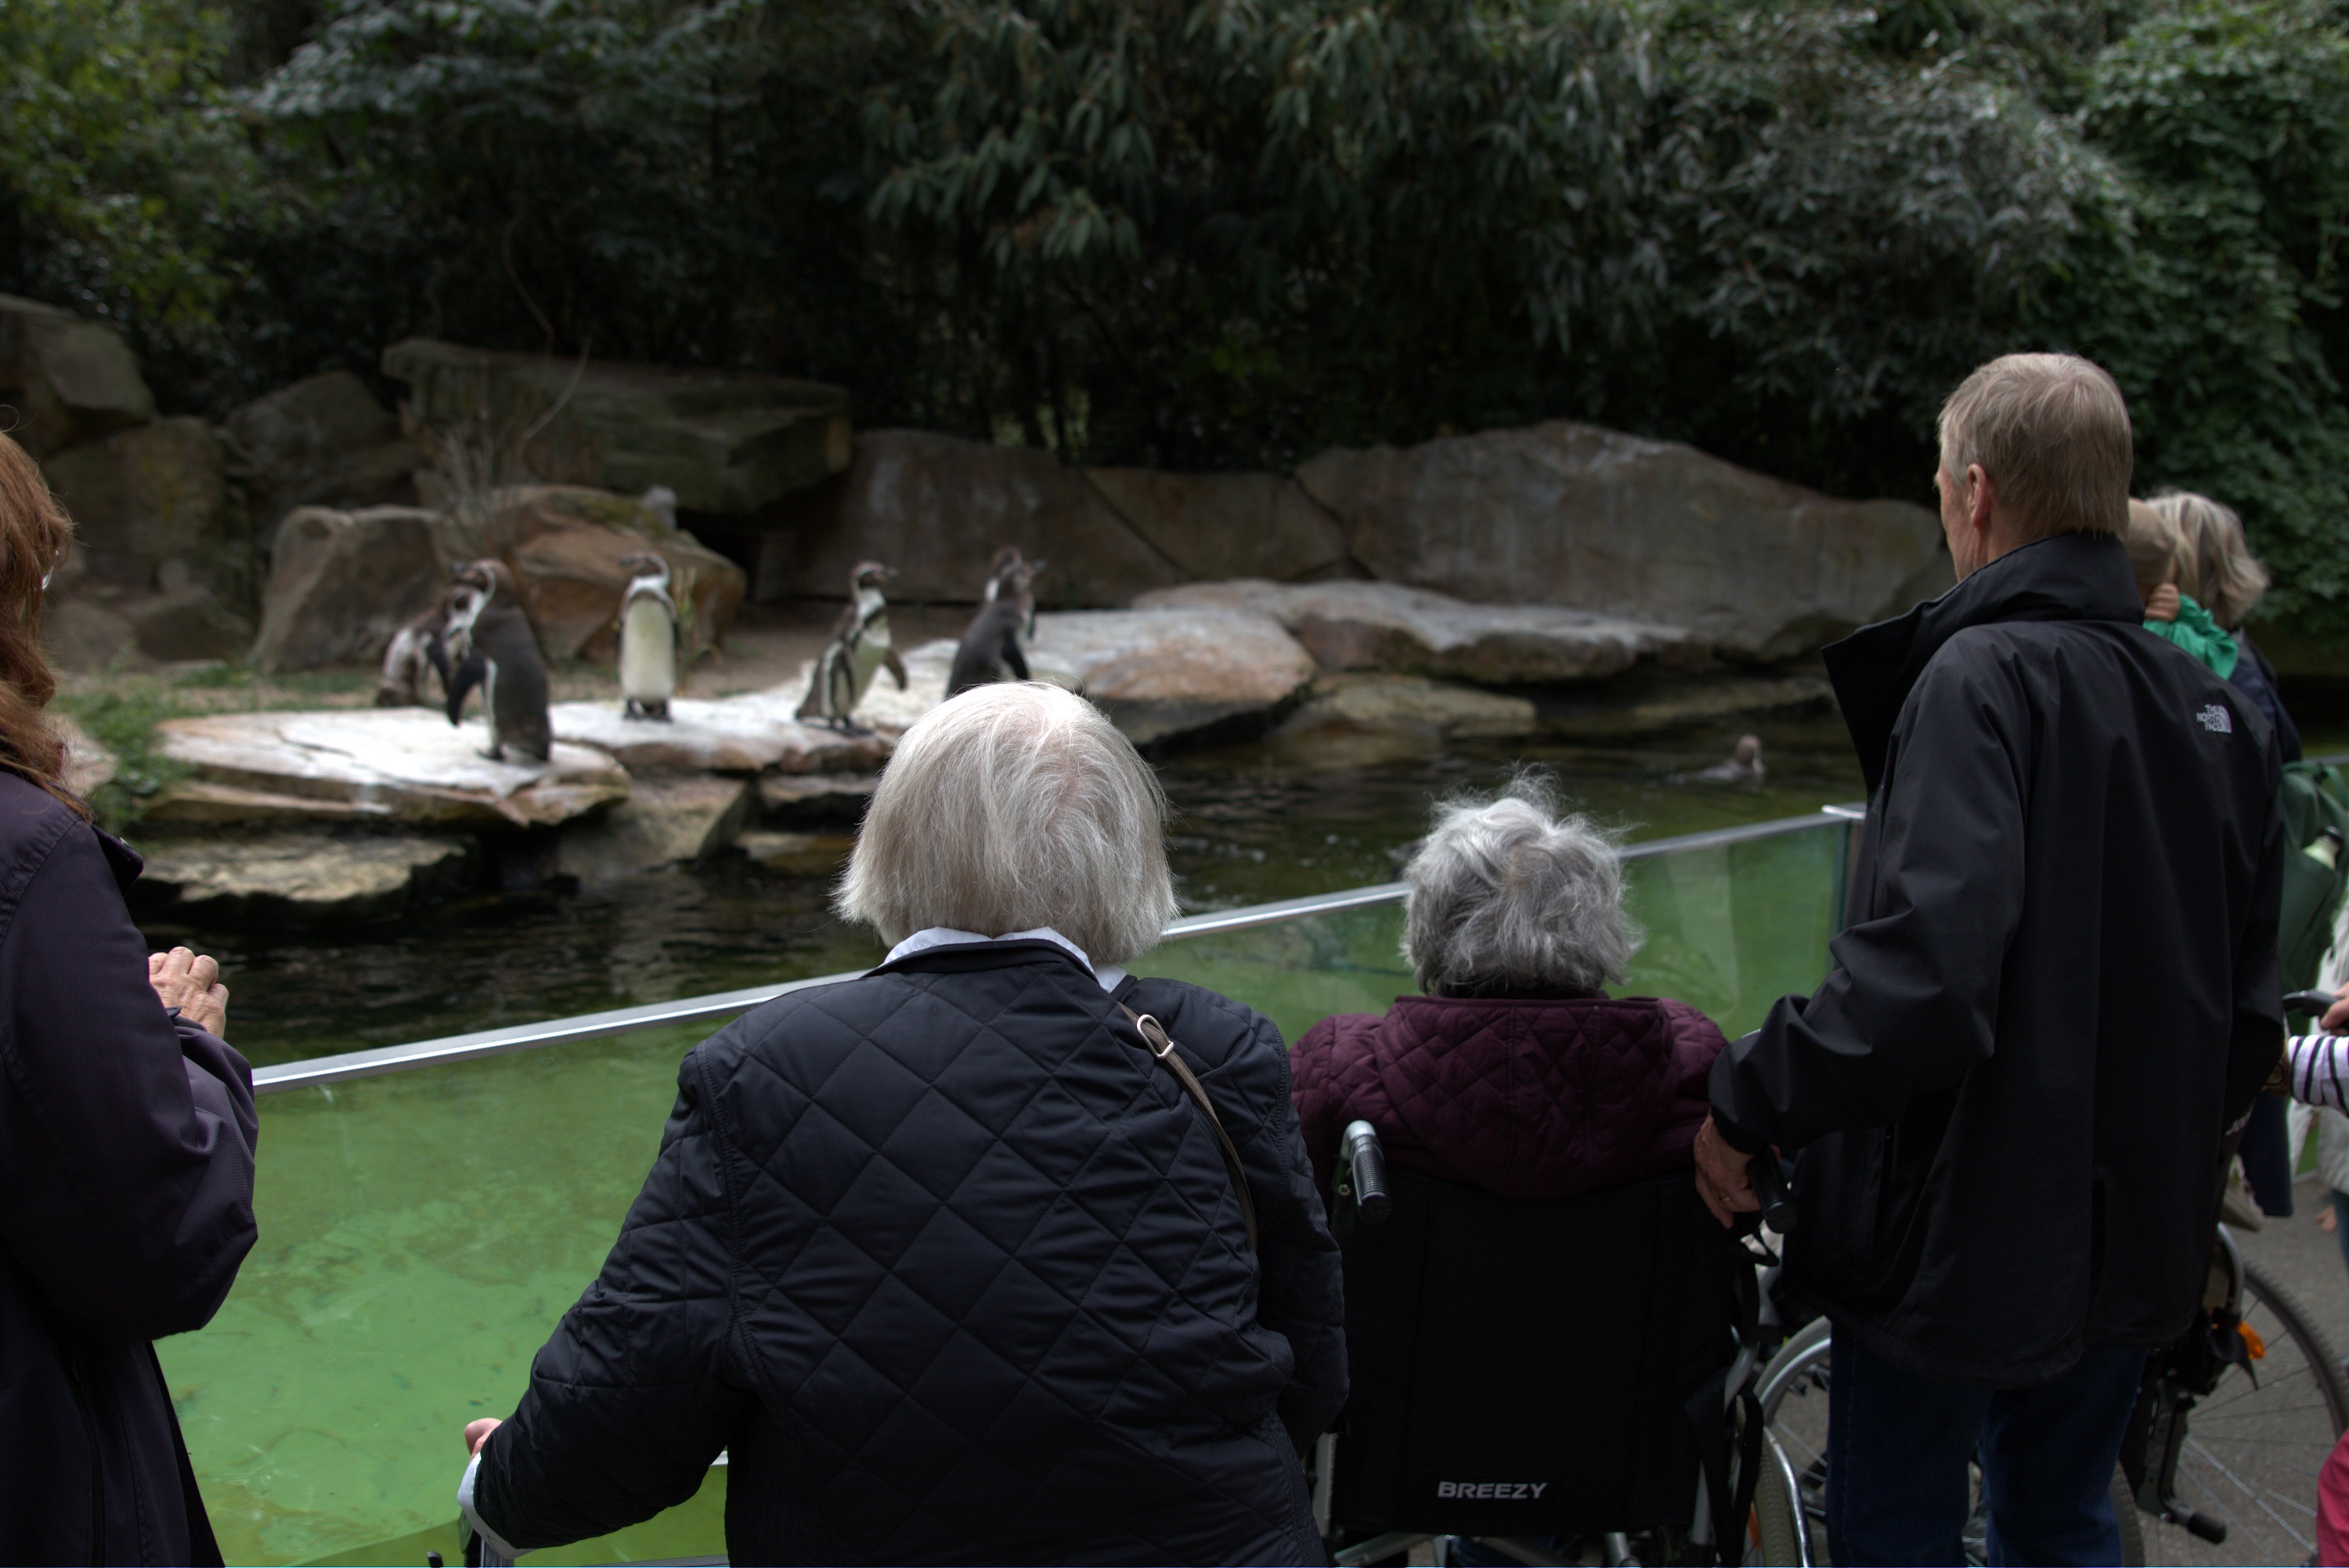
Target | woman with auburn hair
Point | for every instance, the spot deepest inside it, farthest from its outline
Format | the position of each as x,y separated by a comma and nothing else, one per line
126,1132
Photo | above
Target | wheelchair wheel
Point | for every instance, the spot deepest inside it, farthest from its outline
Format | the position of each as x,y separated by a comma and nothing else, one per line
2254,1446
1790,1511
1790,1498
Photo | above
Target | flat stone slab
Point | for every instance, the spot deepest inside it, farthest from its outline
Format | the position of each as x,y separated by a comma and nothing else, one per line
1438,709
1357,626
389,765
816,797
1157,673
753,733
303,871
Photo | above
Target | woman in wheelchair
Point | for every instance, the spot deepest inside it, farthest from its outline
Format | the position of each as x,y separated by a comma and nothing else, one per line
1515,1072
1547,1335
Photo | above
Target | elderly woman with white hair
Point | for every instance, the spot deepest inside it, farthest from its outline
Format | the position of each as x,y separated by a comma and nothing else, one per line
1515,1072
962,1259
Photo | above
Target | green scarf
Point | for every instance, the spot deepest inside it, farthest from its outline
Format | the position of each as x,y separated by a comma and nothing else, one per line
2195,632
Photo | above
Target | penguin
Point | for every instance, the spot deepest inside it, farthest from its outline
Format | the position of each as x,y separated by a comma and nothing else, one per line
419,645
1006,560
993,644
490,641
1744,768
858,650
647,640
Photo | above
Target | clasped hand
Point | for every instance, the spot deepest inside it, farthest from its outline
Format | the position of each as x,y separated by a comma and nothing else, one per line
191,984
1722,1178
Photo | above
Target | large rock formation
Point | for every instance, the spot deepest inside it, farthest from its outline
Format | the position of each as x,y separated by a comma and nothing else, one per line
565,544
664,821
71,379
340,583
726,441
1570,515
936,508
151,494
1357,626
322,441
380,765
1161,674
1226,525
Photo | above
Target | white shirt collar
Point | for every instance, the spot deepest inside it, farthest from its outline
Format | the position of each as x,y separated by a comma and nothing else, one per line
1110,976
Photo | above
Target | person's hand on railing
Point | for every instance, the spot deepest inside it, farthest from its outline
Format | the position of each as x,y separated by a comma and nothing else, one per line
478,1432
191,982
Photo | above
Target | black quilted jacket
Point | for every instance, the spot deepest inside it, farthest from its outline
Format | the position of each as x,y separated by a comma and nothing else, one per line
958,1276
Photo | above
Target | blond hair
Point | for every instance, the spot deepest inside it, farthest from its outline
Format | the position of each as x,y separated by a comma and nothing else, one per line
2152,545
2215,563
2052,431
1011,806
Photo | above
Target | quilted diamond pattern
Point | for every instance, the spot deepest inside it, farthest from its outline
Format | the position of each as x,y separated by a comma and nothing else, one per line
959,1275
1526,1097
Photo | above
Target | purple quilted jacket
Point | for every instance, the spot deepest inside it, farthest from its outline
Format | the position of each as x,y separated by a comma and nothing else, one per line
1529,1097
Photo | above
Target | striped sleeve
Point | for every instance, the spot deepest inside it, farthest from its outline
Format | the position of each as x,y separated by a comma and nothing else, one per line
2320,1069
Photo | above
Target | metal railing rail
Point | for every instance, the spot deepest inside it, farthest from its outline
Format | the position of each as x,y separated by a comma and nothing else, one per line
722,1004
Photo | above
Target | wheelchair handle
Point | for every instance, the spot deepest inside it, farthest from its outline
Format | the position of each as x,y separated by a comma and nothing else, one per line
2315,1003
1366,1166
1769,1179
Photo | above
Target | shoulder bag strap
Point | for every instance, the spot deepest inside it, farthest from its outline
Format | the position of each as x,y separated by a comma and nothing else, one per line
1162,1046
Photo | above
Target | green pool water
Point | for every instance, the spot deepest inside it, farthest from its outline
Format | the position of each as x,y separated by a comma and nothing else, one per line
421,1233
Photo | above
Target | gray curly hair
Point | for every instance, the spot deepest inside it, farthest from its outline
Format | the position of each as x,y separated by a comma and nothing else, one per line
1511,893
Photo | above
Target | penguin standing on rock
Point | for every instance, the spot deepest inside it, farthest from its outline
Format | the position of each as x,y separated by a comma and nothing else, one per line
858,650
492,644
993,649
647,640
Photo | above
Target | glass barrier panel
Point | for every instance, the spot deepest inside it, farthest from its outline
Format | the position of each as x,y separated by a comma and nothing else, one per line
1727,929
421,1236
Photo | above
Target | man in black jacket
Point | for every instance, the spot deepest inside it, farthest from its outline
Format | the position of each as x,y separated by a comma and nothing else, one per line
2056,993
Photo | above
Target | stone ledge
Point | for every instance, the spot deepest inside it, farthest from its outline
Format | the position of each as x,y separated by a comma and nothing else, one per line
404,764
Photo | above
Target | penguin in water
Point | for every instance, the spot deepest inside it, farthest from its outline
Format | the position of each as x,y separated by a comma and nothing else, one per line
1744,768
490,641
993,649
647,640
858,649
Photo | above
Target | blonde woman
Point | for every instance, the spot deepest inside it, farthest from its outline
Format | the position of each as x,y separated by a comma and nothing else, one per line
2215,567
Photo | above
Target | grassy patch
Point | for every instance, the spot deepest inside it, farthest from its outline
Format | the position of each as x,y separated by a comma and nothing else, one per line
121,717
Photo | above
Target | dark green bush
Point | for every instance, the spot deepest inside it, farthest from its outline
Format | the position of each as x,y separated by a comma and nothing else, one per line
1226,232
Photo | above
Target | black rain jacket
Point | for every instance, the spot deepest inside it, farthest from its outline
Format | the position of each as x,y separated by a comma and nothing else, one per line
125,1205
2057,988
955,1274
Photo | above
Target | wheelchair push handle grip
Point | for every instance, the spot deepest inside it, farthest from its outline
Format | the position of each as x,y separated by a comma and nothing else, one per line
2315,1003
1769,1179
1366,1170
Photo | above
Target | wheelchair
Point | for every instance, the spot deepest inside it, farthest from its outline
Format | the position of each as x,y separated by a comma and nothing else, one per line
1541,1380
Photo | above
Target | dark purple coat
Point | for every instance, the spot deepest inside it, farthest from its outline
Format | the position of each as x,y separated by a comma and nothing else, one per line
1523,1095
125,1205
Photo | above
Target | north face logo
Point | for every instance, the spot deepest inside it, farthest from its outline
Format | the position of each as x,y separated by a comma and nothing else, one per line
2217,720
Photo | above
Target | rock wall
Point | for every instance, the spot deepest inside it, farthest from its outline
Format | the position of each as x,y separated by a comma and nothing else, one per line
1569,514
1558,514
